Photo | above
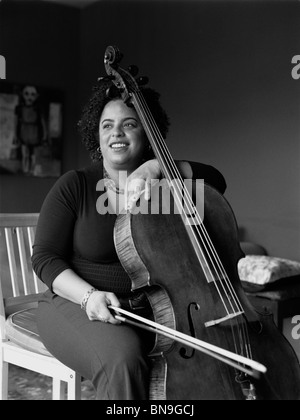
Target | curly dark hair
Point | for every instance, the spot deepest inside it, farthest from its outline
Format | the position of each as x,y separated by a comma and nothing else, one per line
102,93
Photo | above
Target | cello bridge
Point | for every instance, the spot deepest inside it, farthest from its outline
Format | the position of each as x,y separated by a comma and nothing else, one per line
220,320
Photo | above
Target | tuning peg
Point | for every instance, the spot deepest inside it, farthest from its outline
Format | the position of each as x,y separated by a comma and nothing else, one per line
141,81
108,92
133,70
111,91
108,77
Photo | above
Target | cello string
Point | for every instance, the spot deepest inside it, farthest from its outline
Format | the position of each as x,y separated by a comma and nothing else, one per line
242,333
158,152
230,290
175,185
205,246
177,175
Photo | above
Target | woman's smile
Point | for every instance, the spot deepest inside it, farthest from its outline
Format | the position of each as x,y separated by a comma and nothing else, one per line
119,146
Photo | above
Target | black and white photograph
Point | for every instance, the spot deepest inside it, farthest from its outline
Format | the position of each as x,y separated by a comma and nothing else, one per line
150,202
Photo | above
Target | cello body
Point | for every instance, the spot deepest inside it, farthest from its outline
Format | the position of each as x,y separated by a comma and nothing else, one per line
157,253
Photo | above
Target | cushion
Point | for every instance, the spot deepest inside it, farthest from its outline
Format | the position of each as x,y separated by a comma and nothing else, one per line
21,329
262,269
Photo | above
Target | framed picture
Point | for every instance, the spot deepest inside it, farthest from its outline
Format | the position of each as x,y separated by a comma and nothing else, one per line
31,127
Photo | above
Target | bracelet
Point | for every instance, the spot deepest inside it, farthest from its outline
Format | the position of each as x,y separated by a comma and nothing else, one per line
86,298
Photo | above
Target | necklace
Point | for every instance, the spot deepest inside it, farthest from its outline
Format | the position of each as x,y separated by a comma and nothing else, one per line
110,183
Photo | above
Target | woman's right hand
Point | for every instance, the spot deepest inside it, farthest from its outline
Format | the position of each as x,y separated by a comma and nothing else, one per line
97,307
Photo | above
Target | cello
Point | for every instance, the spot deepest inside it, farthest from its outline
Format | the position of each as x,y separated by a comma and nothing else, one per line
211,343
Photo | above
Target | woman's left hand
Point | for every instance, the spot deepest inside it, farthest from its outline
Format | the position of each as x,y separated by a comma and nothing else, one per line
139,182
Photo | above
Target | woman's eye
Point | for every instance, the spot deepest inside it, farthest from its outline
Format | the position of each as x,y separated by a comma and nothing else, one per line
129,124
105,126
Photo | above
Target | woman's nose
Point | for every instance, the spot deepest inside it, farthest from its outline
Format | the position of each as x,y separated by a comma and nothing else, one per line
117,132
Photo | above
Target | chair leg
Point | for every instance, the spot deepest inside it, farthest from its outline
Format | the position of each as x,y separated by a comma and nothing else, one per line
3,380
74,387
58,389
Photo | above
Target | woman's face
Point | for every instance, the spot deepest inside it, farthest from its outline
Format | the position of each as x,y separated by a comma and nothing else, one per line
122,137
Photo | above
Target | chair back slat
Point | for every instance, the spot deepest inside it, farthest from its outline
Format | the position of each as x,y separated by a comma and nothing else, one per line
2,314
17,278
23,260
38,285
12,261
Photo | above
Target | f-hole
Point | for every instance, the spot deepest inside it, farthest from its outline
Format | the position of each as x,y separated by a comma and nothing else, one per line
189,353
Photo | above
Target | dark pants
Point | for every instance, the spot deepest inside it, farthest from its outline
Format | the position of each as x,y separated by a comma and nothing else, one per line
113,358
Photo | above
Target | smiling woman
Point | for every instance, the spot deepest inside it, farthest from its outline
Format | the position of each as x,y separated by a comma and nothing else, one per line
82,270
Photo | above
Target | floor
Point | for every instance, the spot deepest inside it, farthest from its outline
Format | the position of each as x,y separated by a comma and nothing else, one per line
27,385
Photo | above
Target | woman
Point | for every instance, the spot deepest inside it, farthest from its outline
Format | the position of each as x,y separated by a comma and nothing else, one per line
74,252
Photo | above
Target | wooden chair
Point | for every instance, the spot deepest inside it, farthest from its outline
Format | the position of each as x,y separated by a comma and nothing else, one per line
20,289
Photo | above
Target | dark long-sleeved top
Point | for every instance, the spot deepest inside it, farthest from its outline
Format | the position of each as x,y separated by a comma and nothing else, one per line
72,234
